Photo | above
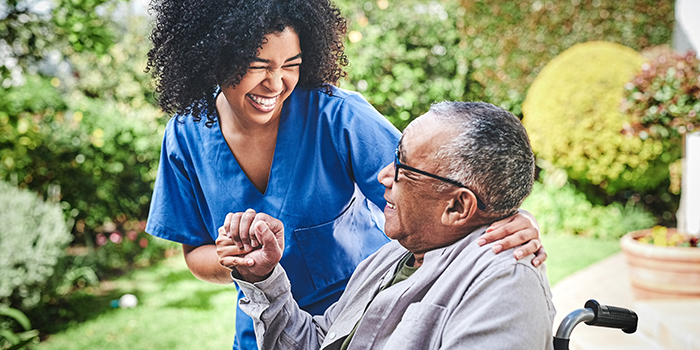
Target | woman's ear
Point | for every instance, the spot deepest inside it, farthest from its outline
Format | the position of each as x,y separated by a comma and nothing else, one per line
460,208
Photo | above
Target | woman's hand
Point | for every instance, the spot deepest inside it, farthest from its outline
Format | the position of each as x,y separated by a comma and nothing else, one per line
513,231
254,260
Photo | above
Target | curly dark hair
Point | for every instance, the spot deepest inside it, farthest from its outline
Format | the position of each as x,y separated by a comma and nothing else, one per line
199,44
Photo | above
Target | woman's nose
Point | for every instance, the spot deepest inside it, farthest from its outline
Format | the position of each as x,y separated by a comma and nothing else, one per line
274,80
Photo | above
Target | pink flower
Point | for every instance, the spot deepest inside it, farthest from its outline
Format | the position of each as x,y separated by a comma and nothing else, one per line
115,237
131,235
143,243
101,239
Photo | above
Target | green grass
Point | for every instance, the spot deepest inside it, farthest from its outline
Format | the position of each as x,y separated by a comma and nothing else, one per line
567,254
175,311
178,312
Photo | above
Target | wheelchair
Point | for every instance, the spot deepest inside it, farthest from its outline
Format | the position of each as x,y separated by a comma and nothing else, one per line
595,314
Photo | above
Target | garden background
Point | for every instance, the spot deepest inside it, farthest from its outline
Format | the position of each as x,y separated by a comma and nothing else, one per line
80,137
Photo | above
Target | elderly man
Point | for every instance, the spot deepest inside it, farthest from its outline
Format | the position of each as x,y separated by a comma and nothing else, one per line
458,168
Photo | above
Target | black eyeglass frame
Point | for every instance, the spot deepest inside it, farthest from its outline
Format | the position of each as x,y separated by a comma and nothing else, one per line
398,165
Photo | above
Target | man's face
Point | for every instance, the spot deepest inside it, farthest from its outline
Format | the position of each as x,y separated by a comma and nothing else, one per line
414,209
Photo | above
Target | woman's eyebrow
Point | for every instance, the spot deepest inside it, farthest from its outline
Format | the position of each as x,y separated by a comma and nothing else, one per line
262,60
294,58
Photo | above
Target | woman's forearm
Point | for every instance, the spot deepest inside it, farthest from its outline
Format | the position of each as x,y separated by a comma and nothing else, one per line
203,262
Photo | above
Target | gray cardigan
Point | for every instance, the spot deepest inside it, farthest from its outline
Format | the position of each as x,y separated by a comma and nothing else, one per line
462,297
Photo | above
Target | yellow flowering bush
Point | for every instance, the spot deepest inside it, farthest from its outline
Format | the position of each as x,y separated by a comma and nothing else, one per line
572,114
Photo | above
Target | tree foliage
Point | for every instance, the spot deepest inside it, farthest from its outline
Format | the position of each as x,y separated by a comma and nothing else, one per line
404,55
37,36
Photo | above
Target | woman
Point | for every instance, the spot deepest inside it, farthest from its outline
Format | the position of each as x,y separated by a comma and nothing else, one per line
277,137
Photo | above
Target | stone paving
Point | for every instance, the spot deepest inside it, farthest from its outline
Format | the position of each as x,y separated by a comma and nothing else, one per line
663,324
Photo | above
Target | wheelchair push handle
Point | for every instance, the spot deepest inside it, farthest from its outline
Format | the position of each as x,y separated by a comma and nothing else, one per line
612,317
595,314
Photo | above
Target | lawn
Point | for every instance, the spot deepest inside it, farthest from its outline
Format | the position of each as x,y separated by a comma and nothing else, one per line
175,311
568,254
178,312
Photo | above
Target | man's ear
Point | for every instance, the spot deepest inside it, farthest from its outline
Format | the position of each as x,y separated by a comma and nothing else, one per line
460,208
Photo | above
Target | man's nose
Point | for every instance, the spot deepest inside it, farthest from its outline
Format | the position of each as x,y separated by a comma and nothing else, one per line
386,176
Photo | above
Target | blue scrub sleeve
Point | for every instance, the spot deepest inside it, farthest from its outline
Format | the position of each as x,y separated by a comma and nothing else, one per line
175,214
366,142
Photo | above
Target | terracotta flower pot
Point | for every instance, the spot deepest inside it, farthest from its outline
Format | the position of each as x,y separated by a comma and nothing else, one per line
661,272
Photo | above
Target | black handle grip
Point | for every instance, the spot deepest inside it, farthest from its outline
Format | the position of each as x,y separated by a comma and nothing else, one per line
612,317
561,344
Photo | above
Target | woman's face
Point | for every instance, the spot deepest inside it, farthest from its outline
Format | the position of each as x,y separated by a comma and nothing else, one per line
270,79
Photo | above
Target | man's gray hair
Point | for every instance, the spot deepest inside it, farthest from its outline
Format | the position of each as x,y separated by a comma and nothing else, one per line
491,154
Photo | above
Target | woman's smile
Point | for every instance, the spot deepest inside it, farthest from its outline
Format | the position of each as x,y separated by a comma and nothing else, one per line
263,104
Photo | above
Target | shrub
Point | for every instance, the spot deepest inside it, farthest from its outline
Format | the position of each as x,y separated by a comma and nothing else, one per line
32,240
561,209
124,246
572,114
663,101
98,158
664,98
90,139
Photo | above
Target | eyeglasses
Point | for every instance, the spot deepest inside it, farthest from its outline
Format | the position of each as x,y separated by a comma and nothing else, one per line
398,165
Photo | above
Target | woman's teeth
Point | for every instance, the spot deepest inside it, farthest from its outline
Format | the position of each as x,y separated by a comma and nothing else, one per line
262,100
390,205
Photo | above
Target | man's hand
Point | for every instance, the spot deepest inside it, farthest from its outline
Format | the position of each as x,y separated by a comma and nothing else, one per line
238,226
254,260
518,229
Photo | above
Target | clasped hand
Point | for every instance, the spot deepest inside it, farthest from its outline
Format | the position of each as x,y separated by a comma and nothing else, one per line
250,244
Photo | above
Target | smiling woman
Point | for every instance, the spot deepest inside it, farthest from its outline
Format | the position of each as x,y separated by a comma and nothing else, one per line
278,138
249,111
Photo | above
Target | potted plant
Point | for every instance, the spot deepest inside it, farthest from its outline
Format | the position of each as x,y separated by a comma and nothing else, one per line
662,263
663,101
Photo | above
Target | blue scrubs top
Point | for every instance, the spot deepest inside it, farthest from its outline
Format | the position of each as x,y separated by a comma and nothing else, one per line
323,186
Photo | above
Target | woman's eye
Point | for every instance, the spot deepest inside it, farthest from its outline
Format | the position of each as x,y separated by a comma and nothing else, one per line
294,65
256,68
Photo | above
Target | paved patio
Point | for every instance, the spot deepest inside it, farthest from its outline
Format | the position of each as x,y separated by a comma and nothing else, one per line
663,324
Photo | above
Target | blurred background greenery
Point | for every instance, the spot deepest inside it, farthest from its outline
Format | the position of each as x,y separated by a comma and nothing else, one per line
80,137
